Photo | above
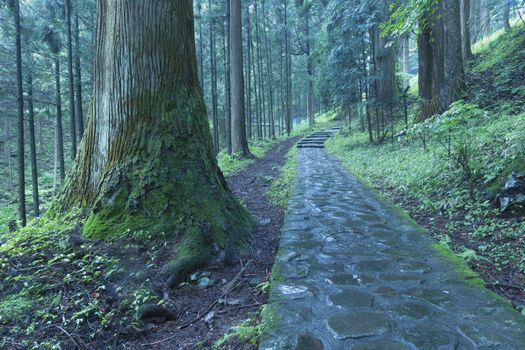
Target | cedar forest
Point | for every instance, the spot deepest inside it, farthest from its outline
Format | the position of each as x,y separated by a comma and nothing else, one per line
244,174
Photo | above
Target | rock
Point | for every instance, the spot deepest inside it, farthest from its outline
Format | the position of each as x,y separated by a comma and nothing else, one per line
307,342
512,192
352,298
265,222
358,325
205,282
153,313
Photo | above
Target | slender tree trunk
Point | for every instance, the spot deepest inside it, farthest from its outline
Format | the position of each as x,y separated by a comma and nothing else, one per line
453,51
269,70
8,158
475,20
20,104
227,83
201,45
405,55
71,80
262,115
32,141
146,162
505,9
59,128
78,83
425,61
213,69
309,73
438,58
485,18
288,74
465,30
249,72
238,126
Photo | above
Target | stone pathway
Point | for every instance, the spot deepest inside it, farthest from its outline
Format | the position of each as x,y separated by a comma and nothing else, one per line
355,275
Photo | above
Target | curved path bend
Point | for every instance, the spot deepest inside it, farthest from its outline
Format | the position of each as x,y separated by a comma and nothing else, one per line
354,274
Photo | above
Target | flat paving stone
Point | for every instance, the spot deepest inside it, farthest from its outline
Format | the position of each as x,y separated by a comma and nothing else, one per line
307,342
355,274
358,325
352,298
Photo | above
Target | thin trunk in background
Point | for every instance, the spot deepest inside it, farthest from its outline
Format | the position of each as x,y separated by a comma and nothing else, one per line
32,141
71,85
238,127
59,128
20,117
78,83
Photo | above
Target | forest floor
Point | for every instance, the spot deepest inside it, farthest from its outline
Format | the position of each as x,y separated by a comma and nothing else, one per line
206,315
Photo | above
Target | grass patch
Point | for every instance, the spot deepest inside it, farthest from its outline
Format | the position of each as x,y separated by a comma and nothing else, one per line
281,187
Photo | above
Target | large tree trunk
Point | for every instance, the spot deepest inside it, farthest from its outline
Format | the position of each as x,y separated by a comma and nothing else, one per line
146,162
71,81
238,127
20,104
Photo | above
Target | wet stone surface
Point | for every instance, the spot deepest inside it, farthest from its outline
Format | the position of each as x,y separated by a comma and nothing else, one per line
355,275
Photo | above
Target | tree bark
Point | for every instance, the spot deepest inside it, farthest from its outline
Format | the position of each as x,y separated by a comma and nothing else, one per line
71,86
227,82
146,162
213,69
78,83
32,140
238,126
505,9
465,30
453,52
59,128
425,61
20,119
249,72
288,73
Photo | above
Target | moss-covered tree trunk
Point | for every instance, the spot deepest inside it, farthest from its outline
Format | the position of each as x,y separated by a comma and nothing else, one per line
146,162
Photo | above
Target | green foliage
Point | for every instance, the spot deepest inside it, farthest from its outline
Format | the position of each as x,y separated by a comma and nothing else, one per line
14,306
410,14
248,331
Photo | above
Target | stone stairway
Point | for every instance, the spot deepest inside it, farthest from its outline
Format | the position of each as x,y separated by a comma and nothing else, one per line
317,139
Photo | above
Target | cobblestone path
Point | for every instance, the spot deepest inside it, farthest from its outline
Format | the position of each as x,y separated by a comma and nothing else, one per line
354,274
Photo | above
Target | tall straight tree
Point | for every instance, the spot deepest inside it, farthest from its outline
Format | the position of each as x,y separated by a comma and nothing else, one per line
79,114
455,79
238,127
20,103
72,106
32,139
146,161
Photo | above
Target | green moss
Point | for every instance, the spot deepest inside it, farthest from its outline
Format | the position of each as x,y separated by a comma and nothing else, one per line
12,307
